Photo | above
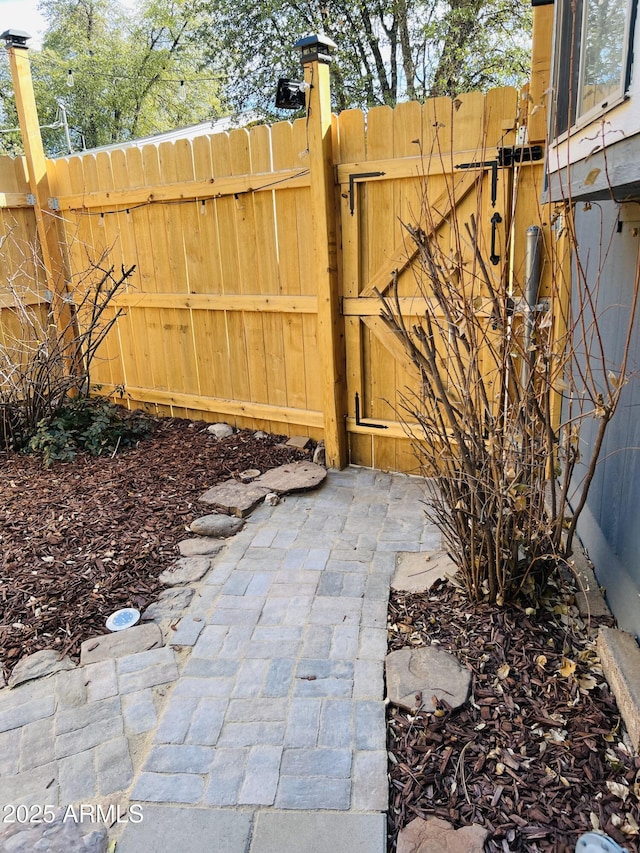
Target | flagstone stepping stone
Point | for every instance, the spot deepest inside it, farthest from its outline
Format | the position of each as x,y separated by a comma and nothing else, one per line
185,570
292,477
57,833
417,571
429,671
300,442
216,526
434,835
235,498
140,638
200,547
220,430
39,664
170,603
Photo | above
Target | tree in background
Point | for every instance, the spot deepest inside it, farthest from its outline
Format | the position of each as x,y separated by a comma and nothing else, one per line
132,74
127,68
388,51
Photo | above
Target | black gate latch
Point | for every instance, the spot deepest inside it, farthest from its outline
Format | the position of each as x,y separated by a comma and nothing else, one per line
505,158
519,154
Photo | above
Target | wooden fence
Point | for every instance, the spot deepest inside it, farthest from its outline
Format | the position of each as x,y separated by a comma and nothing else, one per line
229,313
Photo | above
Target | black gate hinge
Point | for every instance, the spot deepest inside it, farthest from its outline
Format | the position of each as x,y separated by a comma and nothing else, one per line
360,422
357,176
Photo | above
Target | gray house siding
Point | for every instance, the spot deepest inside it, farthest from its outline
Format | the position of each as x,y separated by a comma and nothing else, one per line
609,528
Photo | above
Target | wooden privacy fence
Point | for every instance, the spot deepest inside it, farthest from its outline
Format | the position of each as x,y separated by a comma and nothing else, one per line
259,255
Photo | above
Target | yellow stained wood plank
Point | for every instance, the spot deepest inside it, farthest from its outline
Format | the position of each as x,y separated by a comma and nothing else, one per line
159,192
248,270
469,133
352,146
174,215
227,241
8,199
144,278
294,360
209,326
154,319
382,202
304,211
313,378
393,429
288,236
238,408
150,361
428,165
221,302
9,300
360,448
542,47
110,233
389,340
440,209
183,355
264,213
190,219
501,116
208,225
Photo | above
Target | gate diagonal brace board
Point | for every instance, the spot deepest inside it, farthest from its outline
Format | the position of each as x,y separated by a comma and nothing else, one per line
402,258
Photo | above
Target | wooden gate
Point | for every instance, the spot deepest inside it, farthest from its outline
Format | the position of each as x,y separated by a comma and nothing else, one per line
416,164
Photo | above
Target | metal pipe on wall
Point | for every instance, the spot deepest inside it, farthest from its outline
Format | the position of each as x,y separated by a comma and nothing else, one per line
532,267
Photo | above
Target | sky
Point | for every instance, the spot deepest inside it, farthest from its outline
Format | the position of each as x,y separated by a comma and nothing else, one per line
22,15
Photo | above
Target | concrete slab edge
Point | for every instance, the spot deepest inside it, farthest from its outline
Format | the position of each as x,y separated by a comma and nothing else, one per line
620,658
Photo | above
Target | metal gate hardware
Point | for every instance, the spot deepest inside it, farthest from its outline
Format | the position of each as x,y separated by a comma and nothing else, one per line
505,158
519,154
485,164
356,176
496,219
365,423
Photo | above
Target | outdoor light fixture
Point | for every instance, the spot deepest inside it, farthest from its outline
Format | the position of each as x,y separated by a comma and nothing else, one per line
182,91
70,80
290,94
316,48
16,38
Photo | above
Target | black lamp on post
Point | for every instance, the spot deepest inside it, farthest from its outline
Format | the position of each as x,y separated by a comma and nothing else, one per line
317,48
291,94
15,38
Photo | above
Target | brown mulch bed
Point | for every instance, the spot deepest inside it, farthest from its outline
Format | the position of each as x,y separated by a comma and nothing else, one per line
537,755
84,538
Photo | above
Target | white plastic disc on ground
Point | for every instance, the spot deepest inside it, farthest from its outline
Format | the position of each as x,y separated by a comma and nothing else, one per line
121,619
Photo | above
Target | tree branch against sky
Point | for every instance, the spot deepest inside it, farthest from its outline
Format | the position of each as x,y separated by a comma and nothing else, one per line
127,65
388,50
127,70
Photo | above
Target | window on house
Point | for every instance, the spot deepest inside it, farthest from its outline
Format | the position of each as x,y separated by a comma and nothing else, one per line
592,58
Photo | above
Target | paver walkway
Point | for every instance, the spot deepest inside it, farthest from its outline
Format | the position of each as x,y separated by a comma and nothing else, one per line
266,703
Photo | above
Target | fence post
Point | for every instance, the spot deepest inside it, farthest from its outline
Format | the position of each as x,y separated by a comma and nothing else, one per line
315,59
16,43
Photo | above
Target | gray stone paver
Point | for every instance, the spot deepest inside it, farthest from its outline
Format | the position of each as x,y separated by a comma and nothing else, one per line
268,690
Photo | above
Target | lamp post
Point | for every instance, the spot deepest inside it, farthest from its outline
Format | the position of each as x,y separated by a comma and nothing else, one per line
315,55
46,224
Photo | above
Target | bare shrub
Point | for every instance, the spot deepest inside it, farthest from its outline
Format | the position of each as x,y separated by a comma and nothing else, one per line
45,361
508,378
